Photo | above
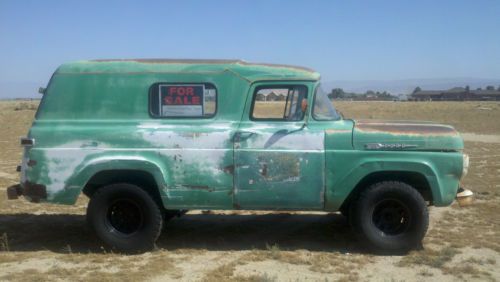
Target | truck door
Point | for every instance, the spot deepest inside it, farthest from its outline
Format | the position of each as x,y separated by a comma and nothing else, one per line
279,161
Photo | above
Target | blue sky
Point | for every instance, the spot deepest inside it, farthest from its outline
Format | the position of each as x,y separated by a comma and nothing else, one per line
344,40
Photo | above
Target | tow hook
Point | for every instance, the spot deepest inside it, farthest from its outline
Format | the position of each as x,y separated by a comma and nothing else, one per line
464,197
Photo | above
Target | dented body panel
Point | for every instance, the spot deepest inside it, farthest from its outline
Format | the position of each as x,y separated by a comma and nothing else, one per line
95,117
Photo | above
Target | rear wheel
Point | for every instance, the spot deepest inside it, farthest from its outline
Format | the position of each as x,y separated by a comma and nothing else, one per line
390,216
125,217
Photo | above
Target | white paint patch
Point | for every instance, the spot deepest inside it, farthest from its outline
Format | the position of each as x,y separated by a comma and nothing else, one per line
186,140
202,153
287,141
62,162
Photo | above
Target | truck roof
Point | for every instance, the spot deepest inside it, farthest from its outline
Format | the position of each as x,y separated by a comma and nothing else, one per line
243,69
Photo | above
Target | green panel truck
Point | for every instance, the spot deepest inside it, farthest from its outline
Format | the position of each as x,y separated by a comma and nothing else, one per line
145,139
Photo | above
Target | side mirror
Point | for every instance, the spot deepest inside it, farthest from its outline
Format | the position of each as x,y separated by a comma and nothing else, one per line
41,90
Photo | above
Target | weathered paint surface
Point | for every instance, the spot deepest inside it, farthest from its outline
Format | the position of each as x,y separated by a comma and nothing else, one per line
423,136
95,117
280,167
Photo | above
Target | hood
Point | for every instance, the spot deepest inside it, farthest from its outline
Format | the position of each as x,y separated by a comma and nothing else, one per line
405,135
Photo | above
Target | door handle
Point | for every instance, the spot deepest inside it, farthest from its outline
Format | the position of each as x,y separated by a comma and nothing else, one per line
242,136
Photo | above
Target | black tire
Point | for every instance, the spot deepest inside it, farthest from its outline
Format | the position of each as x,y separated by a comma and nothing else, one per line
390,217
125,217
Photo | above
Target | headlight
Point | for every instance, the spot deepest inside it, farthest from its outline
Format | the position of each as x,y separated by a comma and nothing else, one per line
465,168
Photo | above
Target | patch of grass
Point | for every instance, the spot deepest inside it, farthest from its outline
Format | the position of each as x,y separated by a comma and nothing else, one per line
321,262
274,250
477,226
465,116
255,278
479,261
464,271
351,277
491,261
7,257
30,275
274,253
4,243
37,231
26,106
112,267
432,258
425,273
338,263
222,273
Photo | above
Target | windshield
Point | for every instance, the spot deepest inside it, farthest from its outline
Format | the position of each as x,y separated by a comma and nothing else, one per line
323,108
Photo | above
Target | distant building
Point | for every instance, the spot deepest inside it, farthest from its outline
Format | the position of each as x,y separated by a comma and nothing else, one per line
271,97
260,97
455,94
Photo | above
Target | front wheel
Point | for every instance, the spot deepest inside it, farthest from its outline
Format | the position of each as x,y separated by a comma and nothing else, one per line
125,217
390,216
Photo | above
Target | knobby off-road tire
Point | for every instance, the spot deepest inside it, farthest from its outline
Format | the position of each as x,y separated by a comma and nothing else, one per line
390,217
125,217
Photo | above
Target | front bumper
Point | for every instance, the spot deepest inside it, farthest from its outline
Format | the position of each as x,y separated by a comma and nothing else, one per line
464,197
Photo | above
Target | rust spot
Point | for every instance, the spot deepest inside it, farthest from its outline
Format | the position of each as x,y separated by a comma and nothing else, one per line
199,187
264,170
229,169
237,206
178,157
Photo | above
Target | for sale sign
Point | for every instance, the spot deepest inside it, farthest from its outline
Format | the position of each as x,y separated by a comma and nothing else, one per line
181,100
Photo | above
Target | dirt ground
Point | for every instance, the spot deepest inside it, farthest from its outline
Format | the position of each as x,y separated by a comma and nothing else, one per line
49,242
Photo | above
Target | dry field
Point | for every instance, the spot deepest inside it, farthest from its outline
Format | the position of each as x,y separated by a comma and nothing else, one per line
48,242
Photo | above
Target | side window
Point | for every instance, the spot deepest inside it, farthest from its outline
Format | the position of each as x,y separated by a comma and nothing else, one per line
184,100
281,102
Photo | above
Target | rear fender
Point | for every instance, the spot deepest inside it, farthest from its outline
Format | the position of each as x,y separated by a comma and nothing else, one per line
80,177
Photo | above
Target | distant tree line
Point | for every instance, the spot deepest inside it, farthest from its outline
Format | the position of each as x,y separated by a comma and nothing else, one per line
456,94
339,93
467,88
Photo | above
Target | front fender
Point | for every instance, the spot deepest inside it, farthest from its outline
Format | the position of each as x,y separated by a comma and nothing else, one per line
441,170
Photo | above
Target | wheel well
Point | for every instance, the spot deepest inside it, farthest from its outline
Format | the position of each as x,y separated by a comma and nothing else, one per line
143,179
415,179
